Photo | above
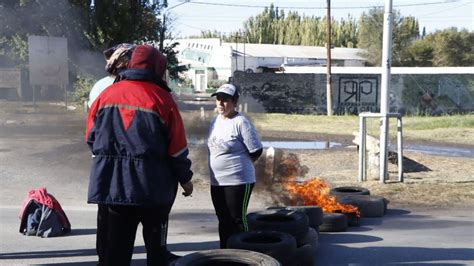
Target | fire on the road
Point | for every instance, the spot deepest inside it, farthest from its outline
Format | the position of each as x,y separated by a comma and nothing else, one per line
316,192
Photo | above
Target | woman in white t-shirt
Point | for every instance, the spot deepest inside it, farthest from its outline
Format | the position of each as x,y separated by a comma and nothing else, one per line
233,146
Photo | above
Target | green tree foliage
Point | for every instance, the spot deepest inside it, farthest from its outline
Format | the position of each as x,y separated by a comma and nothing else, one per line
405,32
452,47
87,29
443,48
273,26
419,53
261,28
19,19
173,65
448,47
346,33
118,21
210,34
370,35
293,24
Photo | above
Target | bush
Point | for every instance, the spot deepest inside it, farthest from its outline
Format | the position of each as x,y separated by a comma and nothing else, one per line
215,83
82,88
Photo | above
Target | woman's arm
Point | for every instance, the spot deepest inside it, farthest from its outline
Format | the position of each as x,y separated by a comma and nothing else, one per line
255,155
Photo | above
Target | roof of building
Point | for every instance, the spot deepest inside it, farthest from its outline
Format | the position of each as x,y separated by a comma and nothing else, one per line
295,51
274,50
379,70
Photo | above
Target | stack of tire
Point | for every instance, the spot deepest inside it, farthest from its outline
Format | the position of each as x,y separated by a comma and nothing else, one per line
283,233
226,257
368,205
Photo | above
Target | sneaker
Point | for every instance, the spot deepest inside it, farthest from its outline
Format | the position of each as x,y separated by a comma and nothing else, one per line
172,256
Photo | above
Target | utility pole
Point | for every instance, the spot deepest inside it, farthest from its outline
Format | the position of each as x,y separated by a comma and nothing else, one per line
163,21
236,51
328,61
162,32
385,87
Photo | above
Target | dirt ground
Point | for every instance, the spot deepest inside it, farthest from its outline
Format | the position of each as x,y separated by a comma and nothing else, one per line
449,181
445,182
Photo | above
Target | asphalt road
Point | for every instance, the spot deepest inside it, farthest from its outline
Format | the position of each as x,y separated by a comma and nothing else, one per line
53,154
436,237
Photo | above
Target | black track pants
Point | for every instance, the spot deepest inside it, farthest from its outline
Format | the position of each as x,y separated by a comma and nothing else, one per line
116,230
230,204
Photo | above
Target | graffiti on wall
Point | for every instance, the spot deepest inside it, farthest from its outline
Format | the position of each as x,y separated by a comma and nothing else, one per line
282,93
357,94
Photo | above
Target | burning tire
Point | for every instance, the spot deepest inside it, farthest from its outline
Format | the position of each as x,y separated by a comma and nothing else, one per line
314,213
226,257
294,223
279,245
349,191
333,222
369,206
352,219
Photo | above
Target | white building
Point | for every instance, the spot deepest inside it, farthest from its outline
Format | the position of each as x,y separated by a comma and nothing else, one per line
209,59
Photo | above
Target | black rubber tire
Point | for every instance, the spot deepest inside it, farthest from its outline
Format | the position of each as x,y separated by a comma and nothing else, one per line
304,256
224,257
279,245
312,239
333,222
369,206
352,219
294,223
349,191
314,213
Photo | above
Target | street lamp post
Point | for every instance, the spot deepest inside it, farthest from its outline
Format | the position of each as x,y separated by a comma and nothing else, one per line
328,61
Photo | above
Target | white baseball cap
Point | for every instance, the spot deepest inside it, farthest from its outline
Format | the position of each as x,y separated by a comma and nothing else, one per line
228,89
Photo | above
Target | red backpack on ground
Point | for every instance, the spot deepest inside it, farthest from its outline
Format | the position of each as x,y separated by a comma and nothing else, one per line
42,215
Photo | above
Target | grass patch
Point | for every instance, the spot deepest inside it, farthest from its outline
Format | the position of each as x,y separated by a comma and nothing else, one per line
457,129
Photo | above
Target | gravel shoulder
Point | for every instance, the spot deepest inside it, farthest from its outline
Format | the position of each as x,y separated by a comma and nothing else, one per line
448,182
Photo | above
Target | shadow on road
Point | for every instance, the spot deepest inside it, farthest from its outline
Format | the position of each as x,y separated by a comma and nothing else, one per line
342,255
175,247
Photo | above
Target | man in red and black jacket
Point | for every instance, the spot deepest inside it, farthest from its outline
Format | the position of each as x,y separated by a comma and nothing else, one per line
137,138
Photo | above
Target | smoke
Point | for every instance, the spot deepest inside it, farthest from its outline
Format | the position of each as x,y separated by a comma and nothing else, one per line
20,19
273,169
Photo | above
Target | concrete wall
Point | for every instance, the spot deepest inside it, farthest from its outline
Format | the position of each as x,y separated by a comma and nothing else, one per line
354,93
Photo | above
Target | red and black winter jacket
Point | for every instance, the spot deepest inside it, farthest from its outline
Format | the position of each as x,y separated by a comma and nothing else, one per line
137,138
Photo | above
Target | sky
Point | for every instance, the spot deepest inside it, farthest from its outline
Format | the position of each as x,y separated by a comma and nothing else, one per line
227,16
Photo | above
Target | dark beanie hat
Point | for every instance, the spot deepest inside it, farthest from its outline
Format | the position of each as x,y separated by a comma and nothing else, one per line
148,57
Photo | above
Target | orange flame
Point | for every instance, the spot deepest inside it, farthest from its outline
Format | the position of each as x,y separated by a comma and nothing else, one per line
316,192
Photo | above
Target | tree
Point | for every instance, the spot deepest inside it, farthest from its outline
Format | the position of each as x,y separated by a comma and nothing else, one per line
117,21
405,32
448,47
173,65
370,35
293,27
275,27
260,29
88,29
19,19
452,47
420,53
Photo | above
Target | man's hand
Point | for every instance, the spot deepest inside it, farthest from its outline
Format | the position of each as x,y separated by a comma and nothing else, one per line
188,188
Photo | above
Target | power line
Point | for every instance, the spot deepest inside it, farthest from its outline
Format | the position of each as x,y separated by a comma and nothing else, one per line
444,10
323,7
